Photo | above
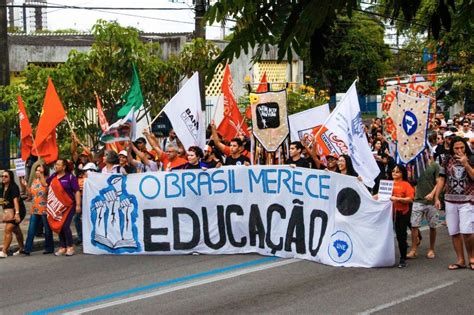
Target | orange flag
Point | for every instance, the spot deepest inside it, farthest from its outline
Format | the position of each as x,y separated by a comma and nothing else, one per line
233,122
26,133
262,87
51,115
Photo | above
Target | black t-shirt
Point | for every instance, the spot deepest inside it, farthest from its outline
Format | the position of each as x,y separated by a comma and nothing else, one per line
238,161
440,153
8,196
302,162
213,163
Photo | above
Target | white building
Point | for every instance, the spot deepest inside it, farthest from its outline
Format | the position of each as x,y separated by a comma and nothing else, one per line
26,16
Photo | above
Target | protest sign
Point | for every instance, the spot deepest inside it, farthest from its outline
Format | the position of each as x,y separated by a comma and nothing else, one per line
271,210
385,189
20,167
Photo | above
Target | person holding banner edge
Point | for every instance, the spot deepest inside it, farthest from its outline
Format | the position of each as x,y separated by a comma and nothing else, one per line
402,195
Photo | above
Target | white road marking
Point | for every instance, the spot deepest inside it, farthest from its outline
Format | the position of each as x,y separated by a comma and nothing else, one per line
184,286
407,298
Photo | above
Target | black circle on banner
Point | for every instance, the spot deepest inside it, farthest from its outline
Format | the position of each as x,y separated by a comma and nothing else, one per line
348,201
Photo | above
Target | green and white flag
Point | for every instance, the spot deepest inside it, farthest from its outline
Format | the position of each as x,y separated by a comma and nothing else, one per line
134,97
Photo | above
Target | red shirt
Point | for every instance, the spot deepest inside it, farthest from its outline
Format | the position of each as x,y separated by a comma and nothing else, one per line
169,165
402,189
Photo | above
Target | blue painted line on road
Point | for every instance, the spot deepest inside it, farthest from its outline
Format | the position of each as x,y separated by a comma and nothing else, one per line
156,285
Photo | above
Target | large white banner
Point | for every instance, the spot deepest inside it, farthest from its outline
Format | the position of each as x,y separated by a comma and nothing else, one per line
271,210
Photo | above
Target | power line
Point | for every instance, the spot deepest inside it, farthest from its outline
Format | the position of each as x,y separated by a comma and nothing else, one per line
62,6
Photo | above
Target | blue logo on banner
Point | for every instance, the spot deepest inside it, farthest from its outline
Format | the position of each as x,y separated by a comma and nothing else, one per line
114,214
340,247
409,123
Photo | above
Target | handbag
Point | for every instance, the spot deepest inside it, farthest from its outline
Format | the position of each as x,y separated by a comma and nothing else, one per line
8,215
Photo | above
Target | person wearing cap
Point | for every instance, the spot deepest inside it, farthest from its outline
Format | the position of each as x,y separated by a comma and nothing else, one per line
79,159
82,174
210,158
442,150
331,159
125,167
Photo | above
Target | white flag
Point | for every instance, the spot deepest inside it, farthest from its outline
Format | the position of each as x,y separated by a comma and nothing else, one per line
185,114
303,124
346,122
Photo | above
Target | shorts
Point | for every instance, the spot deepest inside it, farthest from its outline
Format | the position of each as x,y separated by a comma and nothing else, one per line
460,218
420,209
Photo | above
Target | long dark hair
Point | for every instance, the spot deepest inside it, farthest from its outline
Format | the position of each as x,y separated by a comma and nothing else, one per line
402,170
455,139
12,180
349,166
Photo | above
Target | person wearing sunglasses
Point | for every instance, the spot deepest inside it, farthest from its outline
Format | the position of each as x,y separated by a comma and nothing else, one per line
14,212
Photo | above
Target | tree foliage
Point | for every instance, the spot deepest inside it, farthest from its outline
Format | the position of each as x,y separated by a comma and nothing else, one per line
299,25
107,70
354,48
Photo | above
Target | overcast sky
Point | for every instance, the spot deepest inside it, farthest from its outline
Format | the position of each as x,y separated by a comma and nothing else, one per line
148,21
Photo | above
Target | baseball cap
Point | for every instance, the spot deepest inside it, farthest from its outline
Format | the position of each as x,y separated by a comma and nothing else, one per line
123,152
443,124
331,155
140,140
208,149
448,133
90,167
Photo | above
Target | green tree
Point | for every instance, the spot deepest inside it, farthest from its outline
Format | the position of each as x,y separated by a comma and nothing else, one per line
107,70
298,25
354,48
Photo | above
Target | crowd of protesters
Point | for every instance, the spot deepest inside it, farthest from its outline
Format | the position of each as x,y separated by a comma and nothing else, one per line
447,182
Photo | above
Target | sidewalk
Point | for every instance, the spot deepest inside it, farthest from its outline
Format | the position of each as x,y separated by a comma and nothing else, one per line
38,241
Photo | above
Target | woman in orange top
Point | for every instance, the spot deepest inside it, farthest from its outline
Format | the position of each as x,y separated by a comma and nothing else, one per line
39,194
402,195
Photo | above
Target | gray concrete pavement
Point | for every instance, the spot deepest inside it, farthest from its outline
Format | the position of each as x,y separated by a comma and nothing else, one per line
42,282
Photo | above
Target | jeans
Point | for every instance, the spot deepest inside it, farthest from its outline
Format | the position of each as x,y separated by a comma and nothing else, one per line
78,225
65,235
401,225
35,220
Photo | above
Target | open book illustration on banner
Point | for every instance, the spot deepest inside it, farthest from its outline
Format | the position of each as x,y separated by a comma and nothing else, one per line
114,214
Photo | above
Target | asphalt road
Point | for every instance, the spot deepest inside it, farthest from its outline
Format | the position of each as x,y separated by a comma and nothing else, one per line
231,284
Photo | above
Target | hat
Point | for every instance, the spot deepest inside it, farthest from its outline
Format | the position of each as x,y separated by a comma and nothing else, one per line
448,133
450,122
123,152
331,155
141,139
90,167
207,148
443,124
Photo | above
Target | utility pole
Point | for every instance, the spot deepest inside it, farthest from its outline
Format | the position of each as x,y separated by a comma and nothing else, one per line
200,32
4,81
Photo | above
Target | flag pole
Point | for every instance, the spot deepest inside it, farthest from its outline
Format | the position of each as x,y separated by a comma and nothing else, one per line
156,117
